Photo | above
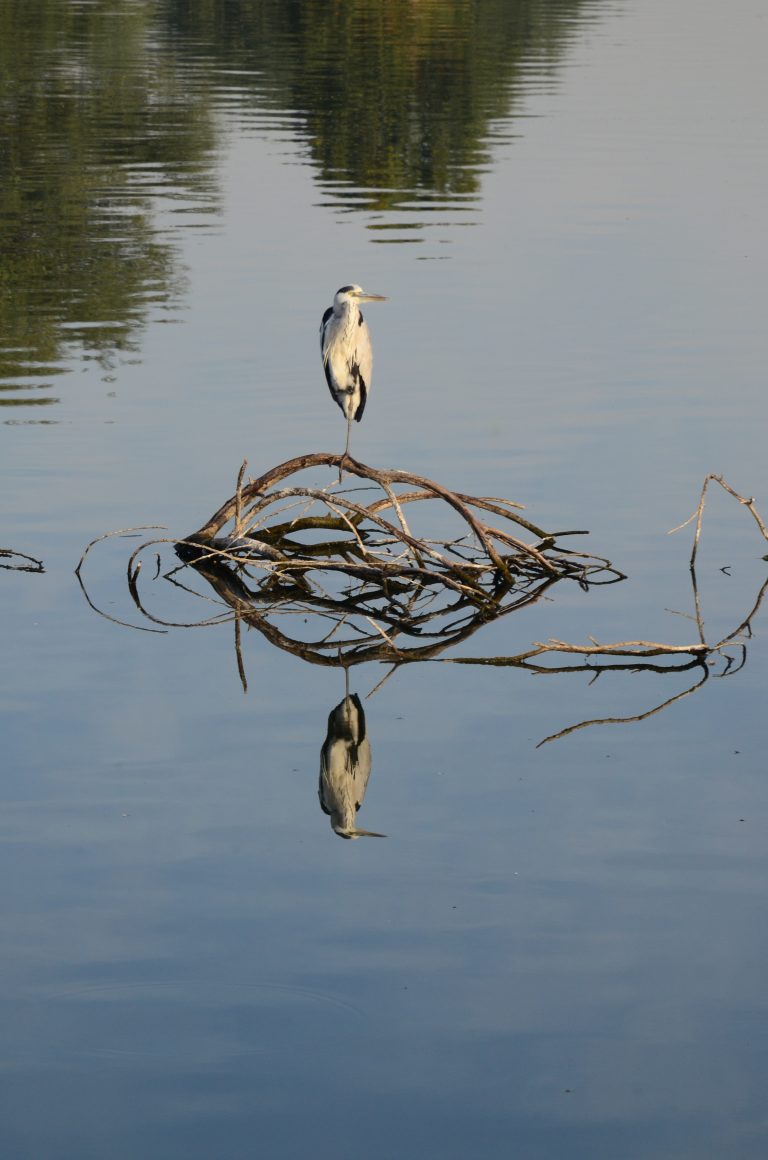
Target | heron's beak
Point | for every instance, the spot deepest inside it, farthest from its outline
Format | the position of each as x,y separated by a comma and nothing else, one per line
353,833
364,296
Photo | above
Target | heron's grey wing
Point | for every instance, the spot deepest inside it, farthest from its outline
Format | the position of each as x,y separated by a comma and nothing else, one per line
323,785
338,790
334,757
362,771
326,340
360,748
323,327
364,364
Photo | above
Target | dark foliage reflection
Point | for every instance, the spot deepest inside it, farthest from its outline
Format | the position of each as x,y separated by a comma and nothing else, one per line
108,111
95,124
398,102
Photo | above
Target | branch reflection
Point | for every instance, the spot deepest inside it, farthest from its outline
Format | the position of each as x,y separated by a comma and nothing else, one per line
13,561
355,600
342,630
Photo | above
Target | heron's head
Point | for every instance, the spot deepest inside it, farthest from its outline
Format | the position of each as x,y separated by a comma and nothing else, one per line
355,293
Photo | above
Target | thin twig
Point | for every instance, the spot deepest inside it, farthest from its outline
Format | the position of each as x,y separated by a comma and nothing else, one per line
698,515
239,498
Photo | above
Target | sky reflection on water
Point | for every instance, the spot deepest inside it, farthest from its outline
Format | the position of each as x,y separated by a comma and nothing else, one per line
555,951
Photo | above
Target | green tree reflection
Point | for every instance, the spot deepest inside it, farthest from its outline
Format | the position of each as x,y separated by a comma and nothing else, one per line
396,96
93,121
108,109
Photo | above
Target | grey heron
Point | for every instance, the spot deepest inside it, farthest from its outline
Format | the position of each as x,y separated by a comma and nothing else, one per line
345,766
345,343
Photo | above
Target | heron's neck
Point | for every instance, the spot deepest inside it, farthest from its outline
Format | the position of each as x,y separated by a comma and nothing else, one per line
348,315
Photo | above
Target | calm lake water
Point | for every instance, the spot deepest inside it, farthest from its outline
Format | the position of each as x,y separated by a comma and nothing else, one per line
557,951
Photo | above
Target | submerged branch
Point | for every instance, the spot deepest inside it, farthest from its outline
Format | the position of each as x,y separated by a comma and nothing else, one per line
348,580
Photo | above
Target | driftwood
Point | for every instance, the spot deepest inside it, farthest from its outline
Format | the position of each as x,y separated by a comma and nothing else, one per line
371,545
638,655
283,551
338,577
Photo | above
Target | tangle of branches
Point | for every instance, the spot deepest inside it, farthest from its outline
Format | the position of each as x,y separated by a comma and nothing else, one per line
342,576
282,548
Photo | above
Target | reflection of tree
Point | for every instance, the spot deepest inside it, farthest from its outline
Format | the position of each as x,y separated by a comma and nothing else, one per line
90,115
103,106
395,96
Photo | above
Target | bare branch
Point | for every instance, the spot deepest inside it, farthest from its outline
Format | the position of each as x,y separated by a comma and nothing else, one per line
350,566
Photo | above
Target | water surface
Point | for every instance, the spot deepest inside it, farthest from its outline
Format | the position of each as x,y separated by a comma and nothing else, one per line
555,951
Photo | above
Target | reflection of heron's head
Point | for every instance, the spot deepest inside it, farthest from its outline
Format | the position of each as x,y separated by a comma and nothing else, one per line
353,833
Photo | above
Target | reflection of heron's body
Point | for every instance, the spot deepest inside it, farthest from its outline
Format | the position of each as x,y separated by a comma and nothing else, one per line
347,354
345,766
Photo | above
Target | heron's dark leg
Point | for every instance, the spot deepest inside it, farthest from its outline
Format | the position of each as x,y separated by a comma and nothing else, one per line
346,449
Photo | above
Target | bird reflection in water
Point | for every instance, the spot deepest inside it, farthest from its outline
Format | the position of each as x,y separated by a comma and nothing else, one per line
345,766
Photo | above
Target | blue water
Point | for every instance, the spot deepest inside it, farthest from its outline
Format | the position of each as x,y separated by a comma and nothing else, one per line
557,950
